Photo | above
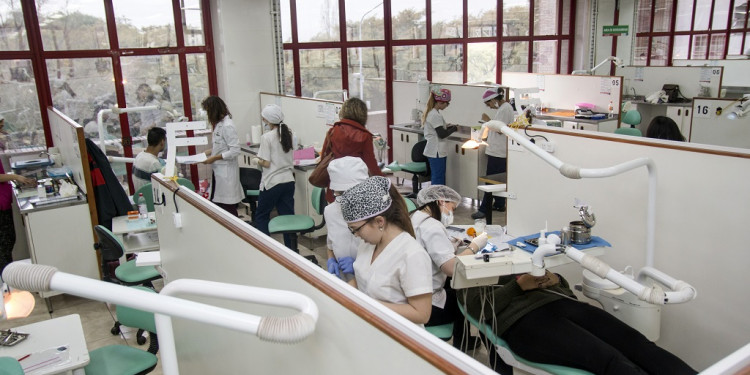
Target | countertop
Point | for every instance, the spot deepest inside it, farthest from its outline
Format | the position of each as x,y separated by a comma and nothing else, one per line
643,102
462,134
28,201
253,150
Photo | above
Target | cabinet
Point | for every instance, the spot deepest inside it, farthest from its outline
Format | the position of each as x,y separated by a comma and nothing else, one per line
403,141
463,168
681,116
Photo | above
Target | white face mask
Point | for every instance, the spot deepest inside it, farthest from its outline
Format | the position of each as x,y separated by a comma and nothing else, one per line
446,219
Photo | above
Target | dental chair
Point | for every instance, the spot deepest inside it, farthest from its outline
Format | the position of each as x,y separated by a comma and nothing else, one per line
148,193
295,225
10,366
418,167
250,181
631,118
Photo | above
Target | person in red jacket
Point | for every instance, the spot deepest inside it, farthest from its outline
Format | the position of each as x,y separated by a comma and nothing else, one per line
349,137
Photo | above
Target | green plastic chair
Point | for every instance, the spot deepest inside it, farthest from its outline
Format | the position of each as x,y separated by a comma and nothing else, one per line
300,224
185,182
503,346
123,359
631,118
9,366
148,197
410,205
443,331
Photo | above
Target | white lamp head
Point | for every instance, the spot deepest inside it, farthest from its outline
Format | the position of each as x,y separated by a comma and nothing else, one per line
741,109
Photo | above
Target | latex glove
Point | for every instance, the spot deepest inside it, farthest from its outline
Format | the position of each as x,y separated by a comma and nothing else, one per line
333,267
254,161
347,264
456,242
479,241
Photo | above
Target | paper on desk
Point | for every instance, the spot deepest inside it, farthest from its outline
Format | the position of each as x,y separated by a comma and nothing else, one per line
191,159
45,358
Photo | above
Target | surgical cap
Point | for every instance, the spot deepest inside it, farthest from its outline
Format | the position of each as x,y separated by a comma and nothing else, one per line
273,114
366,199
434,193
346,172
444,95
490,94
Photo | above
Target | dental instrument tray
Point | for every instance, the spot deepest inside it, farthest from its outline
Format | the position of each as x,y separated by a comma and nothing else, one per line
10,338
530,247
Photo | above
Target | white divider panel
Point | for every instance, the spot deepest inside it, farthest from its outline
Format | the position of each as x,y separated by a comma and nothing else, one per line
65,137
701,226
560,91
344,341
307,118
649,79
404,100
710,128
735,71
466,103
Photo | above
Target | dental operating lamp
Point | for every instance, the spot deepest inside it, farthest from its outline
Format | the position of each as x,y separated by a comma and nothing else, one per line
614,59
741,109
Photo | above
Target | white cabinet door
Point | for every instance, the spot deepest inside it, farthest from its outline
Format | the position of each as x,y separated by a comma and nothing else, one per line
682,117
464,166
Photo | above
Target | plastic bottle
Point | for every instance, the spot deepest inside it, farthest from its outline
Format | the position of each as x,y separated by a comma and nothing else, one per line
142,209
611,109
41,192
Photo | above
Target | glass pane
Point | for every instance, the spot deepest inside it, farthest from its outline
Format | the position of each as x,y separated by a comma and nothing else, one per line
566,18
564,68
643,23
197,82
81,88
192,23
702,14
408,19
482,18
409,63
716,49
289,72
12,28
747,44
447,19
640,52
286,22
680,48
481,63
320,70
739,14
516,18
367,75
684,15
447,63
67,25
659,50
516,56
663,15
545,56
153,81
735,44
144,23
364,20
700,47
318,21
19,104
545,17
721,13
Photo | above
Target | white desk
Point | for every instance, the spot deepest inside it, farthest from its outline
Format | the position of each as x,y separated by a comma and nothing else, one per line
136,235
43,342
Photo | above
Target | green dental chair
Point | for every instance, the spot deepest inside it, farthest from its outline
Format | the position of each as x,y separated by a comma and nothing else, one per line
300,224
631,118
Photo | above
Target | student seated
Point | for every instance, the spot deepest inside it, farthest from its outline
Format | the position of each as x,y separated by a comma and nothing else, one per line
542,321
662,127
147,161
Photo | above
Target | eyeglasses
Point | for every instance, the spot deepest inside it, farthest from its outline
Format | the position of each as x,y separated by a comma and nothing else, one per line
354,231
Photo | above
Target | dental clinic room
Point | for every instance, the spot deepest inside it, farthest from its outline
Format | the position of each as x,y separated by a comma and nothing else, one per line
372,187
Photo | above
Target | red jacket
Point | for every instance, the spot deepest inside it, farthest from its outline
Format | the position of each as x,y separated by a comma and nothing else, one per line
350,138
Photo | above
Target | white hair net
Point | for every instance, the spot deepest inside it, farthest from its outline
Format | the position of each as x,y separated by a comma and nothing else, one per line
437,193
273,114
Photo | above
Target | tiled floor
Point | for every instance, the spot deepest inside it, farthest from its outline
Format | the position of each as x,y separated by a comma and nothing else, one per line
98,317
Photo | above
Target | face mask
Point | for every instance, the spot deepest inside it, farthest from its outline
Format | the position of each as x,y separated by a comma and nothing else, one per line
446,219
266,127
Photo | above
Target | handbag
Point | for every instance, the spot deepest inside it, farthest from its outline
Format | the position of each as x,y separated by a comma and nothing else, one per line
319,176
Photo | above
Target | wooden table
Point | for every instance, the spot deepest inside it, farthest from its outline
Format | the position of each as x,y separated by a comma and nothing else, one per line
497,187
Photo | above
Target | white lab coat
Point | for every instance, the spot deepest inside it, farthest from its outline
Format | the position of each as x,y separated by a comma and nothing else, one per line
431,234
228,189
435,147
497,143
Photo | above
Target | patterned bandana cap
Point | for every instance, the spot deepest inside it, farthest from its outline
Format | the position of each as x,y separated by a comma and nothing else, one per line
490,94
365,200
443,96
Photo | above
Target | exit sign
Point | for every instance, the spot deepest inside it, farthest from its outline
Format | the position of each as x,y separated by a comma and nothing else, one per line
615,30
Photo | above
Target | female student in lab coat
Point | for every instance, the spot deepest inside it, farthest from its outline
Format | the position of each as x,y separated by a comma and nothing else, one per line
226,190
390,266
435,132
497,144
436,205
276,157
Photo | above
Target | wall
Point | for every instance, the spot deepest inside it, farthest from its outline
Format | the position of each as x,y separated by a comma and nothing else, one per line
243,42
699,225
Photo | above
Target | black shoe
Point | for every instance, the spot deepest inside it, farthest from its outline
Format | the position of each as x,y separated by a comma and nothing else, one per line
478,215
312,258
500,209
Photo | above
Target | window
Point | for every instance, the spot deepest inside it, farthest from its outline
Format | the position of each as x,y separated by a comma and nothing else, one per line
364,20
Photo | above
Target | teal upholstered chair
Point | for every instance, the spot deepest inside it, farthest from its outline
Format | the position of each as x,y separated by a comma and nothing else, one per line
410,205
186,183
9,366
443,331
300,224
418,167
123,359
512,359
148,193
631,118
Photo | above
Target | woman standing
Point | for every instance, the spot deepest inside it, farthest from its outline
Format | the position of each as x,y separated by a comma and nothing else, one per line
435,132
497,145
226,190
390,266
277,181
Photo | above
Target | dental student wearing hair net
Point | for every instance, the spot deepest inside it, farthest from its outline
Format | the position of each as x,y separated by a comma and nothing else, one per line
435,132
436,204
497,145
344,173
391,266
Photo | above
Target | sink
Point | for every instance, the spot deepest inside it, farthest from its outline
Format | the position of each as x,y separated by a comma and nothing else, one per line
634,98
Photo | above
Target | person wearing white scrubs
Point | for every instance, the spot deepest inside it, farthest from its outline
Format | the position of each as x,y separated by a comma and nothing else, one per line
147,161
226,190
344,173
276,157
497,145
436,204
435,132
391,266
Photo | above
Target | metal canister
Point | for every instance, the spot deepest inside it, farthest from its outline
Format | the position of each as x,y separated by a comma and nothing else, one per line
580,234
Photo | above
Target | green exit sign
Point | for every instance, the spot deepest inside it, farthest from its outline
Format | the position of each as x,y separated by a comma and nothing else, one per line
615,30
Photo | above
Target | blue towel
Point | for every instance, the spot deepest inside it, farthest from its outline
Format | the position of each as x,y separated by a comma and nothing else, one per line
595,242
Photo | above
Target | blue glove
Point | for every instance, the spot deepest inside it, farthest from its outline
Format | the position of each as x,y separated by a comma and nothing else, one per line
333,267
346,264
